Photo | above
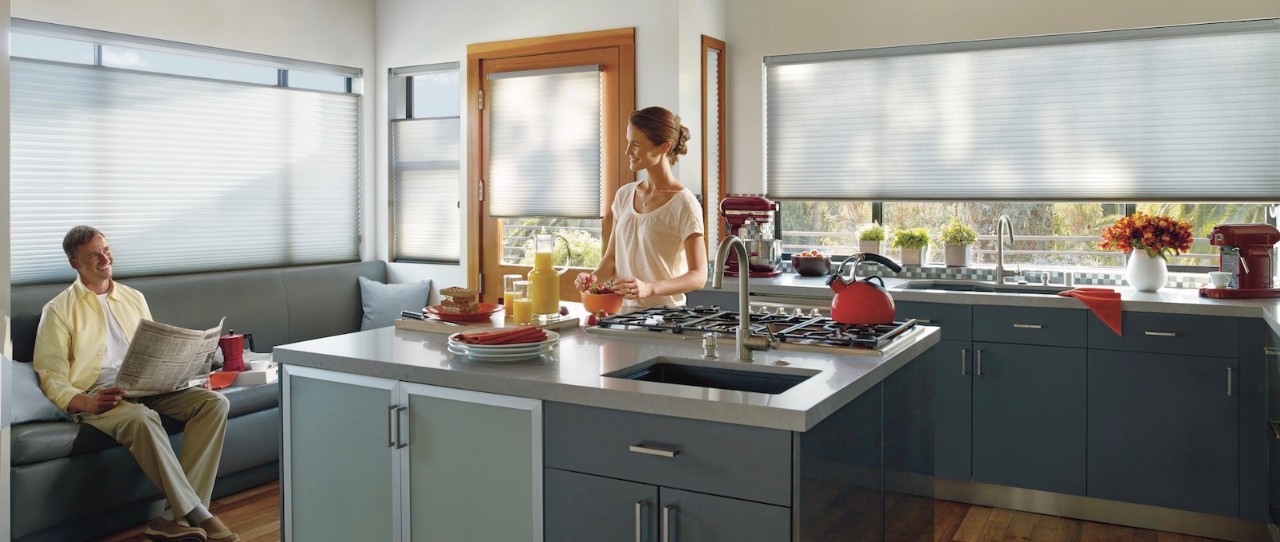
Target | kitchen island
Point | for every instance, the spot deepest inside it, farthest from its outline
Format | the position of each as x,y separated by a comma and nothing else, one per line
420,440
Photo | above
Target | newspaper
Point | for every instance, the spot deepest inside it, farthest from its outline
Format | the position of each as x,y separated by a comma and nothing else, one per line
164,358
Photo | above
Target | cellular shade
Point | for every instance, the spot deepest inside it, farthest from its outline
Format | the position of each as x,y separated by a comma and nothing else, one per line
424,175
1168,114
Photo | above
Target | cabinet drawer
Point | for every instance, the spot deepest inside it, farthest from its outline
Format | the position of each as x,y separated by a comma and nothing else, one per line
956,321
724,459
1029,325
1168,334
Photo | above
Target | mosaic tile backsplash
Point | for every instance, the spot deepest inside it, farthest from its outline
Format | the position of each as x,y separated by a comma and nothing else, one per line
1079,278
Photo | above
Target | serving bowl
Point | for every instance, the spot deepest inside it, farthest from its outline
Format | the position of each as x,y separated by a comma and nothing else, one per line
608,303
811,266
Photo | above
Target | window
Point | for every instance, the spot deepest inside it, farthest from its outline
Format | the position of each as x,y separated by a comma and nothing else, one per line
1062,133
426,218
548,126
184,173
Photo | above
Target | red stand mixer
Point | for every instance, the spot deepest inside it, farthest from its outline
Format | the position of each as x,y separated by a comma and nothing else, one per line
1245,251
750,217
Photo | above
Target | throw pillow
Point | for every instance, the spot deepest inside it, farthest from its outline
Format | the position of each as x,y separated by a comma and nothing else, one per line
29,403
382,303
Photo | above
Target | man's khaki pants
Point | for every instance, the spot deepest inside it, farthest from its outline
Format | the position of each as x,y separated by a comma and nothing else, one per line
186,478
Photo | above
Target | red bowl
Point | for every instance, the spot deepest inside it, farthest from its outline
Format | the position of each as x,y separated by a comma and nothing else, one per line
609,303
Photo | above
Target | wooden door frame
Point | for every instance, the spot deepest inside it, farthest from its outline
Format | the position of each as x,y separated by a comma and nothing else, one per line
619,100
709,42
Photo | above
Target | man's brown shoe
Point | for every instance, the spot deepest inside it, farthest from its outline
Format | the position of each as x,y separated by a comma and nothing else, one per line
216,531
166,530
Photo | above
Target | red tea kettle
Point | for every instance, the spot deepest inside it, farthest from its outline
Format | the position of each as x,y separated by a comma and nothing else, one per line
232,347
861,302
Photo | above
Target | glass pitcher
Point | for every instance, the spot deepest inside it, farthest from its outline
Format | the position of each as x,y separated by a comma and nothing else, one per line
544,279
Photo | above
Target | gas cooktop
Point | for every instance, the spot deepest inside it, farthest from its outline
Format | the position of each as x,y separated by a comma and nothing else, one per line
795,328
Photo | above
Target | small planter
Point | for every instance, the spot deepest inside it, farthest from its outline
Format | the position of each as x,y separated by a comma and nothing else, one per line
913,256
957,255
870,246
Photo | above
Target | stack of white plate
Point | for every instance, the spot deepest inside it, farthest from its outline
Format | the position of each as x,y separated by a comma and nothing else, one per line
503,353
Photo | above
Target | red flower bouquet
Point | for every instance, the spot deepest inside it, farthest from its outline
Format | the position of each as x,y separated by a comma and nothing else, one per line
1158,235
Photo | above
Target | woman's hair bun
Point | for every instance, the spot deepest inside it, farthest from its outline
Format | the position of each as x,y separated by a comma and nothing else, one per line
682,137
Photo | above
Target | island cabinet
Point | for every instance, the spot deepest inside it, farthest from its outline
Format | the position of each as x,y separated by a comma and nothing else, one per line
1164,407
375,459
952,360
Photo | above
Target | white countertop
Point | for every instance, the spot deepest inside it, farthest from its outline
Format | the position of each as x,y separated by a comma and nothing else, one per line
572,374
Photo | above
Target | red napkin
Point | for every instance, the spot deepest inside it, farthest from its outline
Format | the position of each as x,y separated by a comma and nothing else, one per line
1104,302
221,379
519,335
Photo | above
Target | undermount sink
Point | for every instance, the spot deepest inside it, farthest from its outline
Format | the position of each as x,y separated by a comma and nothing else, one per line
979,286
697,373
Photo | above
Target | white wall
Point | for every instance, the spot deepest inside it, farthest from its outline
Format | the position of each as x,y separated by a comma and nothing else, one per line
759,28
336,32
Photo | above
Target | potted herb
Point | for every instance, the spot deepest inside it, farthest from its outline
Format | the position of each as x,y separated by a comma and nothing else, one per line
957,239
913,243
870,238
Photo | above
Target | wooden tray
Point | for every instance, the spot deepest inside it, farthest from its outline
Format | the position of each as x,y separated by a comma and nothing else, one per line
498,320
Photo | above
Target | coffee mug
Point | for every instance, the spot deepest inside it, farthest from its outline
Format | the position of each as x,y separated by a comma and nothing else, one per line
1219,279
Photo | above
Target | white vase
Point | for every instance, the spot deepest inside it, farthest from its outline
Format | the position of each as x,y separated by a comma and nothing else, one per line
1146,273
869,246
913,256
956,255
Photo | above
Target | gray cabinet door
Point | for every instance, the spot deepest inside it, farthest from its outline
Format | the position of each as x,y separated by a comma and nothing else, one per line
953,399
1029,416
1163,431
698,517
586,507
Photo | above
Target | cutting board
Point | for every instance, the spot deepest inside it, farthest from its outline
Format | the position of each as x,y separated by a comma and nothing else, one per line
498,320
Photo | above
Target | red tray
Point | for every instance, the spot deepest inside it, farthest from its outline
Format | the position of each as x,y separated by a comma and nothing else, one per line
1236,293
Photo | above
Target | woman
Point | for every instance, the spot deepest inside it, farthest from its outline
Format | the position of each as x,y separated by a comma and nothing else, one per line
657,251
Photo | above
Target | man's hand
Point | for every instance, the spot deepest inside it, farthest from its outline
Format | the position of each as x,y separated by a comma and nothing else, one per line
98,402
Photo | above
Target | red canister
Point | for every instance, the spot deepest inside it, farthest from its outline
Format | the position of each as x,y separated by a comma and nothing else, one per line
232,346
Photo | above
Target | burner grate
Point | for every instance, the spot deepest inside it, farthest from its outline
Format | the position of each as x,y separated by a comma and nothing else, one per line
808,330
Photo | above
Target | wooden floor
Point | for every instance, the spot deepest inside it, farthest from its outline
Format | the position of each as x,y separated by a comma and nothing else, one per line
255,515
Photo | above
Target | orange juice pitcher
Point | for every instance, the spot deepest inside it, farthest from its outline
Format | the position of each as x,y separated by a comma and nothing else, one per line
544,279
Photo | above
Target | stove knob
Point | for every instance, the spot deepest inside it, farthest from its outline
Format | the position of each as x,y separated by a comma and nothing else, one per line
782,311
797,313
764,311
814,313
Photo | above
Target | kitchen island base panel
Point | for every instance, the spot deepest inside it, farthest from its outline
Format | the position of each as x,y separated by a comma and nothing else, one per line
1101,510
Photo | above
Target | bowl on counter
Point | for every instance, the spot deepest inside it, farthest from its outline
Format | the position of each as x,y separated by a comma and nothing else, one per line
608,303
811,266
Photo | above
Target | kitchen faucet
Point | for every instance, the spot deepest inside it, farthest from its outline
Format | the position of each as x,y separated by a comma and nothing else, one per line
746,343
1001,223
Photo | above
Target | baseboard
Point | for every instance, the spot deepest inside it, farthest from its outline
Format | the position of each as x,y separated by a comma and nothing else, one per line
1105,511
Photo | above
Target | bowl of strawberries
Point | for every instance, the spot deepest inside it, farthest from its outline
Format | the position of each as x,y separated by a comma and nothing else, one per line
599,298
811,263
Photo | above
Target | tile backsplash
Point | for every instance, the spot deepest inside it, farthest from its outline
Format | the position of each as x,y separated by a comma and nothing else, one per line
1079,278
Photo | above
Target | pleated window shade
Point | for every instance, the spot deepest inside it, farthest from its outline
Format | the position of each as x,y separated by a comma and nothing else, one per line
546,143
424,173
181,174
1168,114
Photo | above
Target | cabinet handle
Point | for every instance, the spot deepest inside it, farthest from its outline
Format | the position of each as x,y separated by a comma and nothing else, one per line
668,523
640,520
977,354
1028,326
1160,333
1270,351
964,361
393,426
1228,382
400,443
923,321
1275,428
653,450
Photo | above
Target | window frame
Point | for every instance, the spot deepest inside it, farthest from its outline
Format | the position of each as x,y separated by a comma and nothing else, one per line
400,108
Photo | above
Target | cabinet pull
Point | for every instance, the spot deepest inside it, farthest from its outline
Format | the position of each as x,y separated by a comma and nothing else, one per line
393,426
1270,351
654,450
1228,382
977,354
964,361
923,321
640,520
400,443
1028,326
1160,333
668,523
1275,428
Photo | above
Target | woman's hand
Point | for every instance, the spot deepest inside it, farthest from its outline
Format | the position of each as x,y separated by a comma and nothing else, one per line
632,288
584,280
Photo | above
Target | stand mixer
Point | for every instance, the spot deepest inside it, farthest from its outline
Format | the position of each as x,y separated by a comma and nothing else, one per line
750,217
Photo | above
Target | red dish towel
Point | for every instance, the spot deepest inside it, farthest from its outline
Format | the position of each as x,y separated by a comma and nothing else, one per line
222,379
1104,302
519,335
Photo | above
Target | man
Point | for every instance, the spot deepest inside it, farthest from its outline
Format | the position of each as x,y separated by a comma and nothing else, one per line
83,335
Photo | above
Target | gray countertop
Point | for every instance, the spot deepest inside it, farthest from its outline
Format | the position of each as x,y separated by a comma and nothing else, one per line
572,372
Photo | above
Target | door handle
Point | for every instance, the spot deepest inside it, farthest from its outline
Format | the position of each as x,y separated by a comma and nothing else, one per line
1270,351
1160,333
1029,326
400,443
654,450
964,361
1228,382
1275,428
668,523
977,354
393,426
640,505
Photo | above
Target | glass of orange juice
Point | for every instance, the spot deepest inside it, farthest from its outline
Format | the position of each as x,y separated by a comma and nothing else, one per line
509,293
521,304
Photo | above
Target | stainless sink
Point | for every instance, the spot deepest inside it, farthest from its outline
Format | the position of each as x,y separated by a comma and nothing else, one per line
979,286
690,372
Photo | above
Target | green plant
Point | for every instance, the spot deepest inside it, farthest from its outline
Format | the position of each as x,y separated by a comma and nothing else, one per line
871,232
911,238
956,233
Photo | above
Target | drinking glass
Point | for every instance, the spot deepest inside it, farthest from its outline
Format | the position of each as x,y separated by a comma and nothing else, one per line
521,304
509,293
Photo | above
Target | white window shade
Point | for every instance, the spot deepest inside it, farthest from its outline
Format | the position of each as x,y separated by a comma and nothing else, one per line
182,174
1181,113
424,172
545,143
